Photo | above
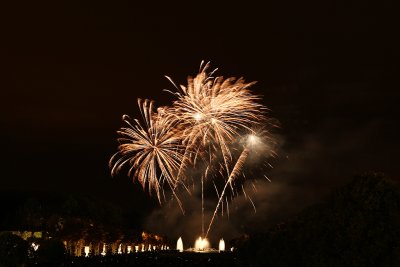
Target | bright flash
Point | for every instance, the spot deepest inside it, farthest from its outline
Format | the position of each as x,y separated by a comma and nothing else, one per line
87,250
221,246
252,139
201,244
179,245
35,246
197,116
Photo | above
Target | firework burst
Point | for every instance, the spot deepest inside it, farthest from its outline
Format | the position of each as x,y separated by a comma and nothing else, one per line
213,112
151,148
206,121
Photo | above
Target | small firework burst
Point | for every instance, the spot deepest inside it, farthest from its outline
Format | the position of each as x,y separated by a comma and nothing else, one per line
151,148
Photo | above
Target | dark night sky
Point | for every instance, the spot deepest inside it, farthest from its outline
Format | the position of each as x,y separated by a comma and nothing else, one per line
329,71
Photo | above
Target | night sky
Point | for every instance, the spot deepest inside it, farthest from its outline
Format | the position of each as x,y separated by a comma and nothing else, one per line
328,70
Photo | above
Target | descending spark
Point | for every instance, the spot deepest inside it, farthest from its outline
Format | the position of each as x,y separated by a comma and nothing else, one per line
252,203
202,206
266,177
147,147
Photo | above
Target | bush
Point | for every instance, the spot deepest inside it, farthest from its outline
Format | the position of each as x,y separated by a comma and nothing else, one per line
13,250
51,252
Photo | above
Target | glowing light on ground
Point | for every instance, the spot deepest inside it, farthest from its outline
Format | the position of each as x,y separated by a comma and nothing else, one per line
201,244
35,246
87,250
221,246
179,245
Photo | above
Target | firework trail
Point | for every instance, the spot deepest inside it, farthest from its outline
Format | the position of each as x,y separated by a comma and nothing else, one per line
149,146
251,141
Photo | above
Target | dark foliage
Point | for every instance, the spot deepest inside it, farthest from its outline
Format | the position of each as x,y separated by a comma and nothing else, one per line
13,250
51,252
358,225
68,217
28,211
156,259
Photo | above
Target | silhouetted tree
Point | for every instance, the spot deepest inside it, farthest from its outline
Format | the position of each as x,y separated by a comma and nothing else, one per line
31,215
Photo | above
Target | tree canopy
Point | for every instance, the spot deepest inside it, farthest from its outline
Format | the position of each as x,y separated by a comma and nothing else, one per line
357,225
